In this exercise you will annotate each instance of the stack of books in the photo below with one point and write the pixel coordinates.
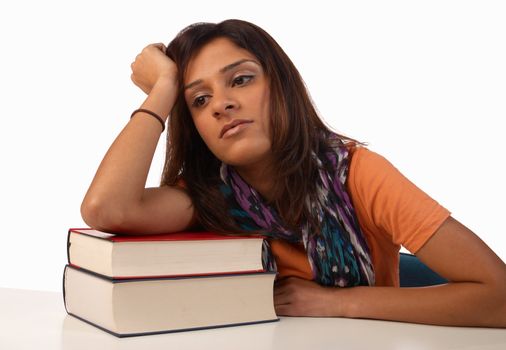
(148, 284)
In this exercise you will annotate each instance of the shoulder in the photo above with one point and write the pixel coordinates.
(361, 154)
(374, 178)
(393, 203)
(371, 172)
(367, 168)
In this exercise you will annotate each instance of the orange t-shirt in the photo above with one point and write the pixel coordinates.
(391, 212)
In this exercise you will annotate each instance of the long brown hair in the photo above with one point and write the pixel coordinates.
(295, 130)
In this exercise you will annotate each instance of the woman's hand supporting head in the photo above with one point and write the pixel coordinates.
(151, 65)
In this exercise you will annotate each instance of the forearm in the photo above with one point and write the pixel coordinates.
(452, 304)
(121, 177)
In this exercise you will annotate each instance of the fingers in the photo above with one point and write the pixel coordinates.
(159, 46)
(150, 65)
(280, 287)
(135, 60)
(283, 310)
(282, 303)
(284, 281)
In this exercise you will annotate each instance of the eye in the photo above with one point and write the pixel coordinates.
(240, 79)
(199, 101)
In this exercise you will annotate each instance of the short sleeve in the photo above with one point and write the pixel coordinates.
(393, 205)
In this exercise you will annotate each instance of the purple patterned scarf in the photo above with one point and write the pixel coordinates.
(338, 254)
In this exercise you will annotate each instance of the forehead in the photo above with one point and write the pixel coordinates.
(212, 57)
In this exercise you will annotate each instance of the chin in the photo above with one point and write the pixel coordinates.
(246, 153)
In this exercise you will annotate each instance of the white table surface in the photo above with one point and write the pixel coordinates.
(37, 320)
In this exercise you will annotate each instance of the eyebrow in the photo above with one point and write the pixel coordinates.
(222, 71)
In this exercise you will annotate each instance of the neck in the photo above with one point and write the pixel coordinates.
(260, 178)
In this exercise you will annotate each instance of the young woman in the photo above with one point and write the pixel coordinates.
(247, 153)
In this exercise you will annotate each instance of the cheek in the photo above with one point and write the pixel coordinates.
(265, 112)
(201, 129)
(205, 132)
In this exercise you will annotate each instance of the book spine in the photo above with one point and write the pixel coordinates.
(63, 288)
(68, 240)
(68, 245)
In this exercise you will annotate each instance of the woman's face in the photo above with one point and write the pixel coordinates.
(226, 84)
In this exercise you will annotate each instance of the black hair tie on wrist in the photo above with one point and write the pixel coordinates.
(150, 113)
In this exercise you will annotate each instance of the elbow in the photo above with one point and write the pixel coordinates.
(102, 216)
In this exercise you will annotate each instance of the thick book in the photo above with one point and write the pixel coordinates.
(163, 255)
(135, 307)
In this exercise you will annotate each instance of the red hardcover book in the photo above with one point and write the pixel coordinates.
(164, 255)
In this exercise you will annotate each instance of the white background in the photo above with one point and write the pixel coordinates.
(423, 82)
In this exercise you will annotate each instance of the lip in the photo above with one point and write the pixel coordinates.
(233, 124)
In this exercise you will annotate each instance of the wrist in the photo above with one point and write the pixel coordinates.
(342, 304)
(161, 99)
(166, 79)
(151, 113)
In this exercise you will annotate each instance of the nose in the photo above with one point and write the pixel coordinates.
(223, 106)
(218, 113)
